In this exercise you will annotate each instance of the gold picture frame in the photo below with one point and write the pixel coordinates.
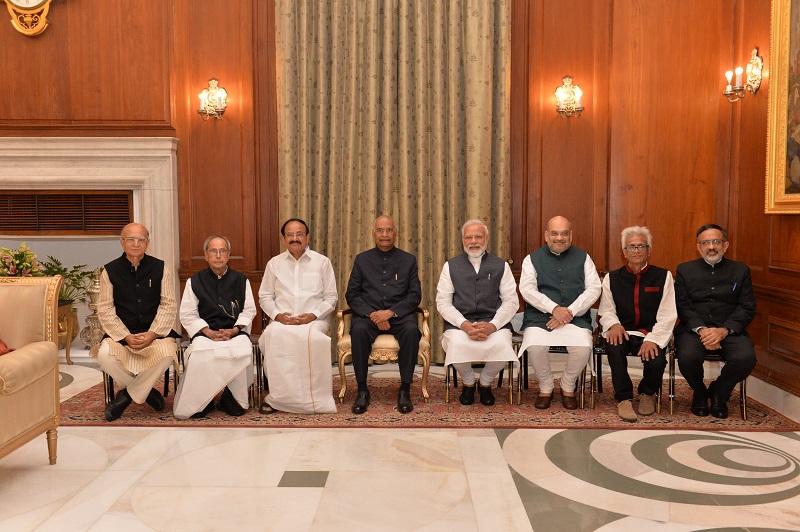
(783, 121)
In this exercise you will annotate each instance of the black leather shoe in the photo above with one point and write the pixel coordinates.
(700, 403)
(361, 404)
(487, 397)
(467, 395)
(719, 406)
(156, 400)
(404, 405)
(229, 405)
(204, 412)
(115, 408)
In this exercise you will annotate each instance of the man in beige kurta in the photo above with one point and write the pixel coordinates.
(137, 310)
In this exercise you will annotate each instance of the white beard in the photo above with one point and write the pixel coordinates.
(476, 253)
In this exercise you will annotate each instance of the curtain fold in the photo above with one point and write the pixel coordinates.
(394, 107)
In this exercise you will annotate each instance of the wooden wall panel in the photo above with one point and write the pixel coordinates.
(665, 102)
(95, 66)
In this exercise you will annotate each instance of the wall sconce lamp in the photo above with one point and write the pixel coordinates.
(736, 92)
(568, 98)
(213, 100)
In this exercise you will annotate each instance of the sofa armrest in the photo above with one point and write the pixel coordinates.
(21, 367)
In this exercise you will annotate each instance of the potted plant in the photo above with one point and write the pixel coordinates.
(76, 280)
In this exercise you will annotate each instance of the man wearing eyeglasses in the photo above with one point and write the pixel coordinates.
(298, 293)
(559, 283)
(136, 309)
(217, 310)
(715, 305)
(637, 315)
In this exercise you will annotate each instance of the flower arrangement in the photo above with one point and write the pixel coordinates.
(76, 279)
(19, 262)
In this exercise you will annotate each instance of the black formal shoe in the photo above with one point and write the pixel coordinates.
(719, 406)
(361, 404)
(700, 403)
(404, 405)
(229, 405)
(204, 412)
(467, 395)
(487, 397)
(115, 408)
(156, 400)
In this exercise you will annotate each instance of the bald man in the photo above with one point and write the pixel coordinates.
(137, 310)
(384, 292)
(559, 283)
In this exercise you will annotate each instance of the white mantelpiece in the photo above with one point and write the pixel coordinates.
(147, 166)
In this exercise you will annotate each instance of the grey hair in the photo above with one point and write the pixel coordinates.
(474, 222)
(212, 237)
(636, 230)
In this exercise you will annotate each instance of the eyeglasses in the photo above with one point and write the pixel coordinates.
(554, 234)
(384, 231)
(636, 247)
(716, 242)
(218, 252)
(133, 239)
(293, 235)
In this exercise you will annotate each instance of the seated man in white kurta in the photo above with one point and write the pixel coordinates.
(217, 310)
(559, 283)
(477, 297)
(298, 293)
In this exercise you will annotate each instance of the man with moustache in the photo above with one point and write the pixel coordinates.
(637, 314)
(136, 309)
(715, 303)
(559, 283)
(477, 297)
(217, 311)
(384, 292)
(298, 293)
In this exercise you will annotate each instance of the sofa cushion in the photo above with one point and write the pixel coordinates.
(25, 365)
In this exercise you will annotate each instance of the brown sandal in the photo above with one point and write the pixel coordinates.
(267, 409)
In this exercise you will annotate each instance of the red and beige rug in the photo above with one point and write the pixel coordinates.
(86, 409)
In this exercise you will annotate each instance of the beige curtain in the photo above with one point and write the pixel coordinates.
(398, 107)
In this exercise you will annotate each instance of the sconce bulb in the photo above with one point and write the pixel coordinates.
(729, 75)
(739, 71)
(578, 92)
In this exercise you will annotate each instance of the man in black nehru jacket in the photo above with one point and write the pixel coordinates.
(384, 292)
(715, 303)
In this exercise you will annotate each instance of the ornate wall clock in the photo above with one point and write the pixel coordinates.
(29, 17)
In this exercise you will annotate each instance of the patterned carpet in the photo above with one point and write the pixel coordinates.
(86, 409)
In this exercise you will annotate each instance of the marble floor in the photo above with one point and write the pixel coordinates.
(120, 479)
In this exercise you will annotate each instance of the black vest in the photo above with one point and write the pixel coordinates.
(220, 301)
(476, 295)
(638, 296)
(137, 291)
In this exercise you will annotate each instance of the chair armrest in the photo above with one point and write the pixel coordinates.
(340, 314)
(28, 363)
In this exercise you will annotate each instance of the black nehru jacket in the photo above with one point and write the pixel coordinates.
(476, 295)
(384, 280)
(220, 299)
(137, 291)
(637, 296)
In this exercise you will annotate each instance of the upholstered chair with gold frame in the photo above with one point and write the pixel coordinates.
(29, 397)
(384, 349)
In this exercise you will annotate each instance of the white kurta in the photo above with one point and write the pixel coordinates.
(210, 365)
(299, 368)
(297, 358)
(566, 335)
(456, 343)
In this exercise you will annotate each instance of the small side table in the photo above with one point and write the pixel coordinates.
(65, 313)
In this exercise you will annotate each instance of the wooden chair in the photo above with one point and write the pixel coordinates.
(384, 349)
(177, 366)
(673, 356)
(599, 350)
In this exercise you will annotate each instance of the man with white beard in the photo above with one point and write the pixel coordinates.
(477, 297)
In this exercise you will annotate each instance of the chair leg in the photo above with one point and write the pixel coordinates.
(166, 383)
(582, 386)
(598, 364)
(671, 383)
(743, 399)
(108, 387)
(447, 384)
(343, 390)
(426, 366)
(52, 442)
(510, 383)
(500, 378)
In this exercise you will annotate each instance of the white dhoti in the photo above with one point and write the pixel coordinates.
(537, 341)
(297, 359)
(494, 352)
(210, 366)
